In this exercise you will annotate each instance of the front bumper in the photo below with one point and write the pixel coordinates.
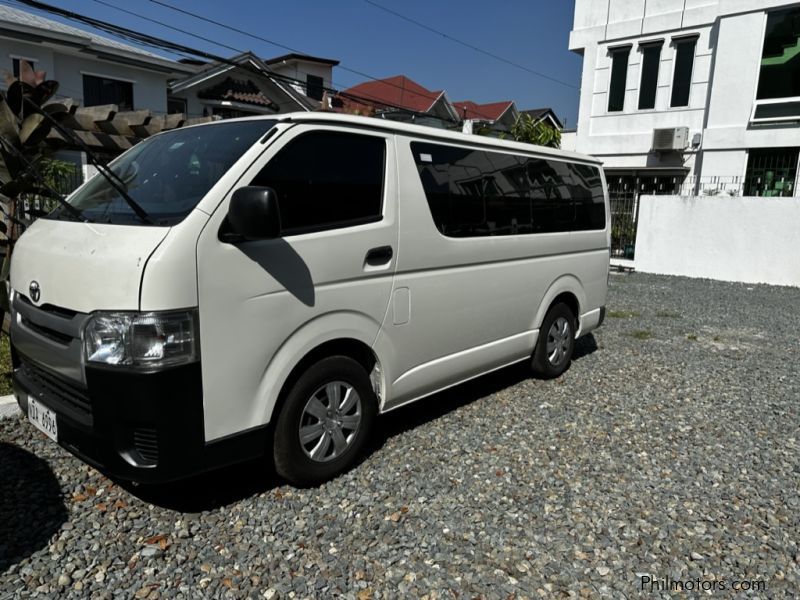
(144, 427)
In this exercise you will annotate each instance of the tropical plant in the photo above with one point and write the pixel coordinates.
(23, 155)
(535, 131)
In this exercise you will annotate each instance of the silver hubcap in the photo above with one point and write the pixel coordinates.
(558, 340)
(330, 421)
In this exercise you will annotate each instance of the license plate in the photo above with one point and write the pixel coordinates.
(43, 418)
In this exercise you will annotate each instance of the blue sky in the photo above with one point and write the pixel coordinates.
(533, 33)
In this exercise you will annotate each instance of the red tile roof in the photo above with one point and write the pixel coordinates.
(399, 91)
(489, 112)
(238, 90)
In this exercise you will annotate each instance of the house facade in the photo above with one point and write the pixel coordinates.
(691, 96)
(248, 85)
(91, 69)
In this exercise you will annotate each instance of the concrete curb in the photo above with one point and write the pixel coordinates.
(8, 407)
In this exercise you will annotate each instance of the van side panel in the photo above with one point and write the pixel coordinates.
(476, 303)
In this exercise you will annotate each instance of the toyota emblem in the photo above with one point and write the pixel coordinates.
(35, 291)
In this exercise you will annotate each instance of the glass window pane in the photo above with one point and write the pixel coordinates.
(168, 174)
(771, 172)
(651, 60)
(473, 193)
(314, 87)
(780, 62)
(684, 64)
(619, 79)
(326, 180)
(98, 91)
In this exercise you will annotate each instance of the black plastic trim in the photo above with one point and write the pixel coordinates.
(167, 405)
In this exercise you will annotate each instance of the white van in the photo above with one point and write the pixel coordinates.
(267, 286)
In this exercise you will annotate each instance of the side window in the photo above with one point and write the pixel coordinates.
(587, 193)
(473, 193)
(326, 180)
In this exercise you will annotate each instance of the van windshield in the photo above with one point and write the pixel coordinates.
(166, 175)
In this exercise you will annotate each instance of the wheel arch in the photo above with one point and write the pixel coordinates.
(336, 334)
(566, 289)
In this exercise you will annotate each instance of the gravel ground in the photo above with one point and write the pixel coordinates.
(669, 450)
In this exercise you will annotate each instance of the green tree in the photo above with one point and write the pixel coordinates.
(531, 131)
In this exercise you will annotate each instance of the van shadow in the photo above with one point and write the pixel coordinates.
(211, 490)
(584, 347)
(284, 264)
(31, 505)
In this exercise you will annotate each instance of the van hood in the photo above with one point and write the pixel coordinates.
(84, 266)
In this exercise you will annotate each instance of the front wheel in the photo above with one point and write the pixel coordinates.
(553, 353)
(325, 421)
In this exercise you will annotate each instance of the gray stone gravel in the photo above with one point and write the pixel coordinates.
(671, 449)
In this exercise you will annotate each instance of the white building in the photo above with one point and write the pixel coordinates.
(722, 76)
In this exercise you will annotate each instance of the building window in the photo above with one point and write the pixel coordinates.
(780, 62)
(176, 106)
(15, 65)
(771, 172)
(102, 90)
(619, 79)
(778, 95)
(684, 65)
(651, 60)
(327, 180)
(314, 87)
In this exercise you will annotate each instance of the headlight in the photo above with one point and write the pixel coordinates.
(147, 340)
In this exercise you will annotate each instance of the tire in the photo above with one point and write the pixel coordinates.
(314, 440)
(553, 353)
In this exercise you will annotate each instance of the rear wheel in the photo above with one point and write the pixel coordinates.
(553, 353)
(325, 421)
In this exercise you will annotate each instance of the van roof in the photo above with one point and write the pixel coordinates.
(413, 130)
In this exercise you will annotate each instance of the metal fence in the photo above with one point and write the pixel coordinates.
(625, 190)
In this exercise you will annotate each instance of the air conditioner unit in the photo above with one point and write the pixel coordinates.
(671, 139)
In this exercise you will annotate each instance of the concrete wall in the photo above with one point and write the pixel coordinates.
(299, 69)
(752, 240)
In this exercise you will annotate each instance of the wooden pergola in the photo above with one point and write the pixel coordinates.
(105, 129)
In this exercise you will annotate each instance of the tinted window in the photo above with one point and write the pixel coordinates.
(780, 59)
(651, 59)
(327, 179)
(684, 63)
(102, 90)
(619, 79)
(314, 87)
(474, 192)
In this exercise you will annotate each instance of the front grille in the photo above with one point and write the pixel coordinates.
(74, 398)
(145, 440)
(50, 334)
(49, 308)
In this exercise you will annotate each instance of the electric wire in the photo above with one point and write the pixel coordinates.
(467, 45)
(160, 43)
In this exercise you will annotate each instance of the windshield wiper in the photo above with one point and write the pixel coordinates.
(73, 210)
(112, 178)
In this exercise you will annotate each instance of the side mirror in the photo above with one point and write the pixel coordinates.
(253, 214)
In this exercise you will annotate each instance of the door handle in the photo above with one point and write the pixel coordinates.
(378, 256)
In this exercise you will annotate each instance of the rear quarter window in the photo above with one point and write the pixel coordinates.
(474, 192)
